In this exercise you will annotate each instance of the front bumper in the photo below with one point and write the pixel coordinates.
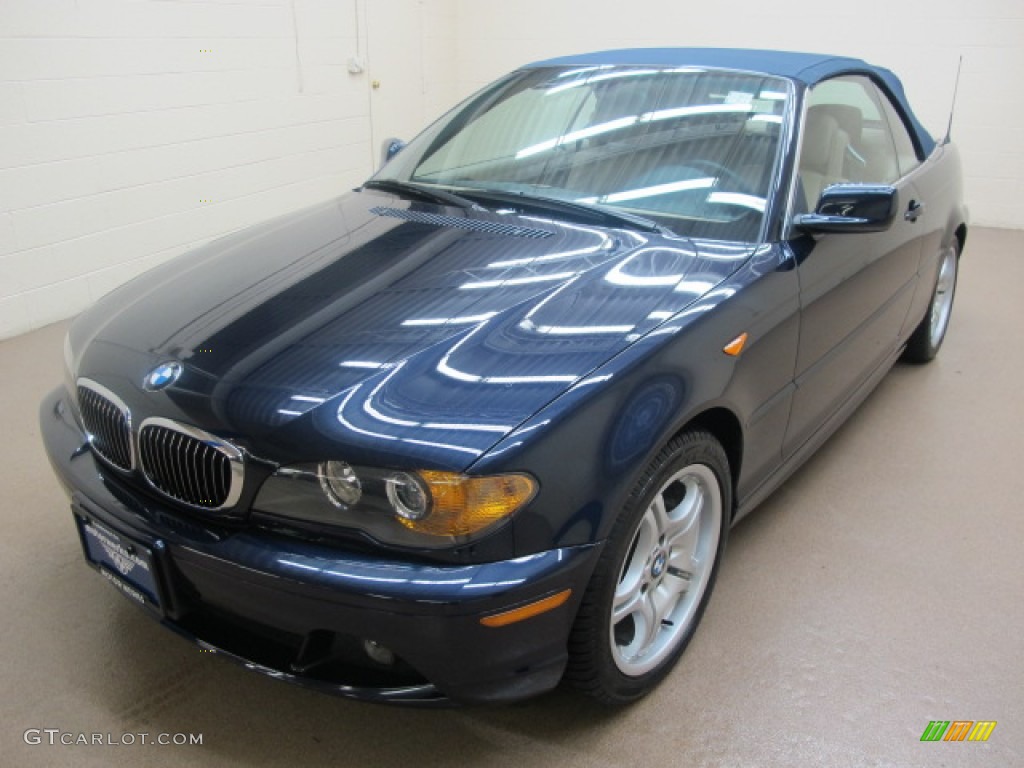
(303, 612)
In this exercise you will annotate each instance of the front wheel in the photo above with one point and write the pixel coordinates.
(655, 576)
(924, 343)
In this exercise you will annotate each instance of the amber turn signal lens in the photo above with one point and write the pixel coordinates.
(462, 506)
(527, 611)
(734, 347)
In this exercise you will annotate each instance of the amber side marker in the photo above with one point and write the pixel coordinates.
(734, 347)
(526, 611)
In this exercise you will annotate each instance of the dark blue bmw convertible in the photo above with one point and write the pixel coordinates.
(484, 422)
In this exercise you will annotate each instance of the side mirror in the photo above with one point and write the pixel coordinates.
(851, 208)
(389, 148)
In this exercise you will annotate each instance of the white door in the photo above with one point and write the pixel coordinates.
(395, 69)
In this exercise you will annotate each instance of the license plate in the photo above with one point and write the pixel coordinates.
(125, 564)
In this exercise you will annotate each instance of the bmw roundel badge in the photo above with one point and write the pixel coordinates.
(163, 376)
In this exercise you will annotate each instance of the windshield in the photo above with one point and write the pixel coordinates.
(692, 150)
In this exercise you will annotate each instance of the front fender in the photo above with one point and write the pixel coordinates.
(589, 446)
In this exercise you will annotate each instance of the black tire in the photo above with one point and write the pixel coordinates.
(620, 662)
(927, 338)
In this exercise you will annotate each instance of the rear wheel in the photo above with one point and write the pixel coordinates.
(924, 343)
(655, 576)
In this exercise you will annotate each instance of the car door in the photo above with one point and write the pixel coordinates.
(855, 288)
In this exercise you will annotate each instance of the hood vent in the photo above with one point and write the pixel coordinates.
(474, 225)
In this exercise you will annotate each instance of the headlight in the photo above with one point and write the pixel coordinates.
(417, 509)
(408, 497)
(339, 483)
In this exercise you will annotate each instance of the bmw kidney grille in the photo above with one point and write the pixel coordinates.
(189, 465)
(179, 461)
(108, 423)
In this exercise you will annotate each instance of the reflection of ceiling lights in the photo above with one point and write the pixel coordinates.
(628, 120)
(581, 70)
(310, 399)
(468, 427)
(476, 284)
(583, 133)
(529, 379)
(696, 109)
(363, 364)
(574, 330)
(643, 261)
(726, 198)
(696, 287)
(599, 78)
(653, 191)
(446, 369)
(543, 259)
(618, 276)
(735, 198)
(435, 321)
(349, 425)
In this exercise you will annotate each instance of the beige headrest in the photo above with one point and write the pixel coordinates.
(819, 134)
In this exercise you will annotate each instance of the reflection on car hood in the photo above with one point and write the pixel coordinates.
(390, 332)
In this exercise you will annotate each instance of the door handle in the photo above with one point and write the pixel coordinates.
(914, 210)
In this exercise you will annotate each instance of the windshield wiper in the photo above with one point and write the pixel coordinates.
(588, 211)
(429, 194)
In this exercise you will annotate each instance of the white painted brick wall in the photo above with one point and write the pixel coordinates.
(120, 119)
(132, 130)
(920, 42)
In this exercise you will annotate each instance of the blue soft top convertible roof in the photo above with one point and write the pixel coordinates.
(807, 68)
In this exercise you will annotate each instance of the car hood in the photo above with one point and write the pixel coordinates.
(387, 332)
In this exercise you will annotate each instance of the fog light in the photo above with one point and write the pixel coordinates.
(339, 483)
(379, 653)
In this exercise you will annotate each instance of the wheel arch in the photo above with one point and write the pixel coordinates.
(724, 425)
(960, 233)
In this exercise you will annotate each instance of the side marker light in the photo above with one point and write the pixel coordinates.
(527, 611)
(734, 347)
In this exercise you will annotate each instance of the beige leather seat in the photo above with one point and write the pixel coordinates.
(823, 153)
(850, 119)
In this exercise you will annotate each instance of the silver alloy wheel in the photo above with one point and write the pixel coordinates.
(942, 301)
(666, 571)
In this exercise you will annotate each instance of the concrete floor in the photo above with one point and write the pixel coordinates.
(879, 589)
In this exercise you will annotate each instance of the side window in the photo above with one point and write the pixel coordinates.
(846, 138)
(906, 155)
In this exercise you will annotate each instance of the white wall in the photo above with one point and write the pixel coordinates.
(920, 41)
(412, 58)
(131, 130)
